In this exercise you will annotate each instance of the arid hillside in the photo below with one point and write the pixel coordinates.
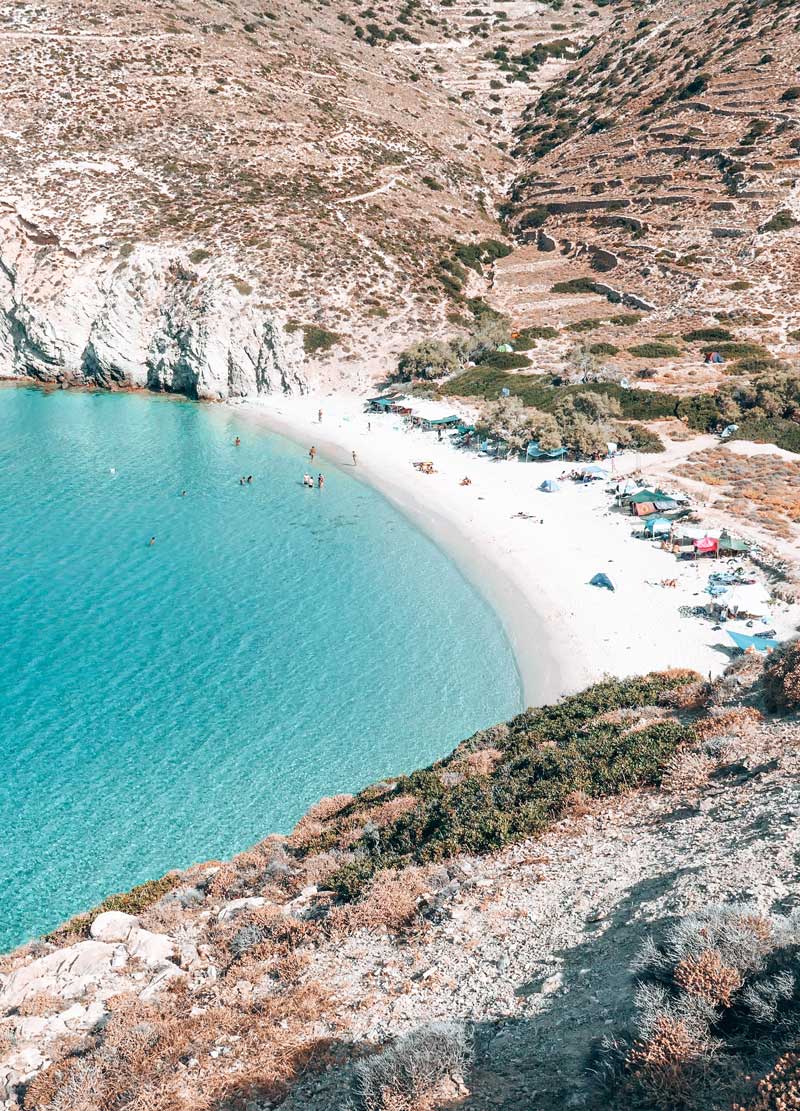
(662, 166)
(311, 161)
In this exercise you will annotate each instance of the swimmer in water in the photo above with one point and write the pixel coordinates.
(152, 541)
(237, 442)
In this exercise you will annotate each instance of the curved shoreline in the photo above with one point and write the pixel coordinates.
(543, 664)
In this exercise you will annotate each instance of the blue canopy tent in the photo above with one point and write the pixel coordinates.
(535, 452)
(594, 470)
(549, 486)
(601, 579)
(761, 644)
(657, 526)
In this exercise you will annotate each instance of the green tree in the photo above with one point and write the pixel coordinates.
(429, 358)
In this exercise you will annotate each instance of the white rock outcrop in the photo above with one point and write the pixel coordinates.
(113, 925)
(144, 318)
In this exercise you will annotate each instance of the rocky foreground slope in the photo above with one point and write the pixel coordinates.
(464, 936)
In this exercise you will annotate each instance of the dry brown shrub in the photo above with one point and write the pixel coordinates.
(318, 868)
(779, 1090)
(481, 762)
(707, 977)
(782, 678)
(138, 1060)
(659, 1067)
(578, 804)
(390, 901)
(41, 1003)
(689, 696)
(728, 722)
(312, 824)
(687, 771)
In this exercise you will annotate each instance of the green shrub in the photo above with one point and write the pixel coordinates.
(740, 284)
(504, 360)
(603, 349)
(135, 901)
(541, 392)
(575, 285)
(782, 432)
(701, 412)
(546, 756)
(533, 218)
(528, 336)
(654, 350)
(314, 338)
(792, 93)
(738, 350)
(783, 220)
(753, 365)
(795, 334)
(589, 324)
(701, 335)
(625, 319)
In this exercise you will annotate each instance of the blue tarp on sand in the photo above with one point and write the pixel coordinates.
(601, 579)
(761, 644)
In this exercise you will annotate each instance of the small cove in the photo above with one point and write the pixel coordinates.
(165, 704)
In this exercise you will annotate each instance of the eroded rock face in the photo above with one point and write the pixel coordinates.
(148, 320)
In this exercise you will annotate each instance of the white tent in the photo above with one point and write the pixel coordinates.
(747, 599)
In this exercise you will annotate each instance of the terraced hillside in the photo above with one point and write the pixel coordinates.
(663, 167)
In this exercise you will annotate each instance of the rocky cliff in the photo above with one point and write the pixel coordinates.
(140, 318)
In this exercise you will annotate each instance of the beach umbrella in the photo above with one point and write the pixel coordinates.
(549, 486)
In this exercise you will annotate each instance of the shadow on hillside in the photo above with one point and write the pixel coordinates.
(542, 1061)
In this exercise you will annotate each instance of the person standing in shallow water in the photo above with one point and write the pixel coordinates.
(320, 480)
(312, 453)
(237, 442)
(355, 461)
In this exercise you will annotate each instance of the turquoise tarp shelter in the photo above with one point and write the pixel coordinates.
(657, 526)
(601, 579)
(440, 422)
(533, 451)
(761, 644)
(549, 486)
(648, 496)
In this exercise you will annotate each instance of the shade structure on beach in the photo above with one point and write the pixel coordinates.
(647, 496)
(733, 544)
(533, 451)
(705, 545)
(747, 599)
(595, 470)
(601, 579)
(657, 526)
(760, 644)
(627, 487)
(549, 486)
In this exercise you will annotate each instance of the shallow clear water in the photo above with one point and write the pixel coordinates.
(167, 704)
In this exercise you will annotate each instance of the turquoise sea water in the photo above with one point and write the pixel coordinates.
(166, 704)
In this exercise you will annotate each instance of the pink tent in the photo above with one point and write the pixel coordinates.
(706, 545)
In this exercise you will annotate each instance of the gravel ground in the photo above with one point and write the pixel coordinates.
(534, 946)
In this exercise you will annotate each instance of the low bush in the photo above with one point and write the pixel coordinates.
(315, 339)
(701, 335)
(603, 349)
(780, 431)
(541, 392)
(528, 336)
(575, 285)
(654, 350)
(504, 360)
(783, 220)
(546, 756)
(717, 997)
(739, 350)
(589, 324)
(135, 901)
(422, 1069)
(782, 678)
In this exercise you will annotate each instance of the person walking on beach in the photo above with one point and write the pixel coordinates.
(320, 480)
(312, 453)
(355, 461)
(319, 416)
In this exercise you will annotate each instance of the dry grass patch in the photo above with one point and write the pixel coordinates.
(760, 488)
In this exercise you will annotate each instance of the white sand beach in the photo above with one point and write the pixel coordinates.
(564, 632)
